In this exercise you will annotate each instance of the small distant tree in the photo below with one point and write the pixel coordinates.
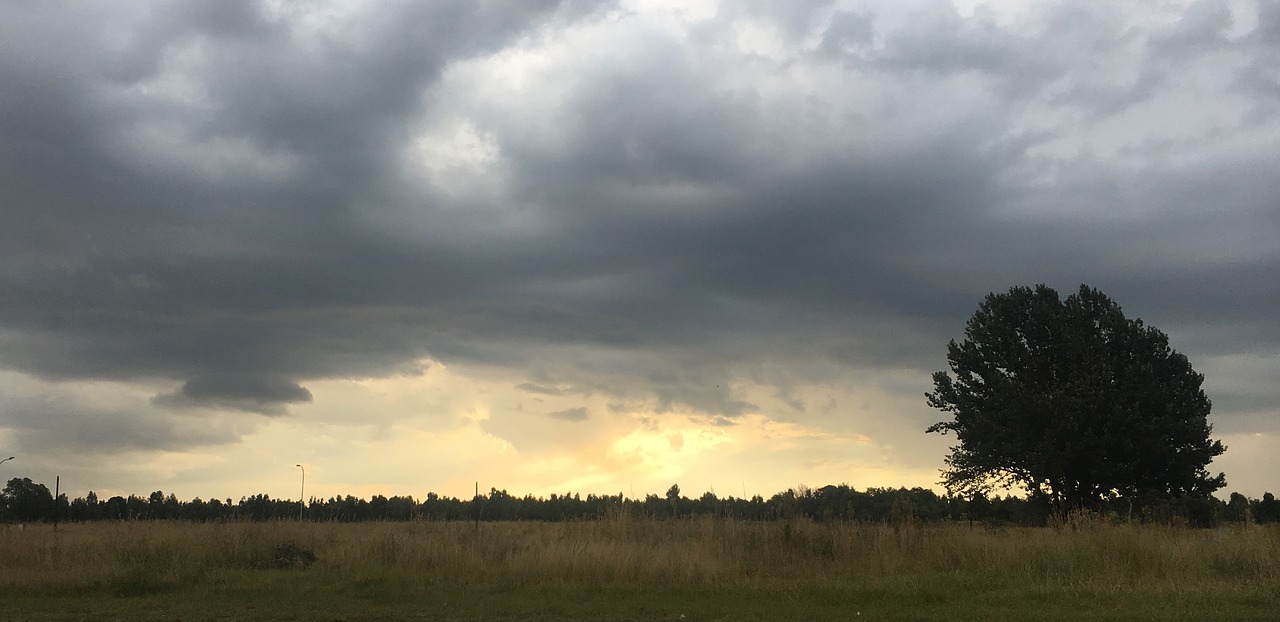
(1072, 401)
(116, 508)
(1238, 508)
(27, 501)
(1267, 510)
(155, 505)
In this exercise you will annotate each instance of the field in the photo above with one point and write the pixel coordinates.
(626, 569)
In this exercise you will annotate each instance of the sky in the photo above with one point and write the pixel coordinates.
(602, 247)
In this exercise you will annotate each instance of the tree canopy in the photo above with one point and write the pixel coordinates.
(27, 500)
(1073, 401)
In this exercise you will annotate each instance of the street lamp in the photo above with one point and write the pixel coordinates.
(6, 460)
(302, 495)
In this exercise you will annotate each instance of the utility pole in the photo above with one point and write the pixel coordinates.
(302, 494)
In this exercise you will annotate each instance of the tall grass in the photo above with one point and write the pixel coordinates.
(632, 569)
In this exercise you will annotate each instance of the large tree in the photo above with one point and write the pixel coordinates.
(1072, 401)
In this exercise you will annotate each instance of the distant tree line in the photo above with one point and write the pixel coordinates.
(25, 501)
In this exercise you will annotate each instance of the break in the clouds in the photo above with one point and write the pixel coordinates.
(629, 207)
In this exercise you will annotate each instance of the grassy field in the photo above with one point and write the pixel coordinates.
(636, 570)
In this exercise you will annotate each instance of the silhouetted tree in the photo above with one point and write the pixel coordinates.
(135, 507)
(1238, 508)
(27, 501)
(1267, 510)
(116, 508)
(1072, 401)
(155, 506)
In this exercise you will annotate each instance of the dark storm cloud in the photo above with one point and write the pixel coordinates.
(179, 181)
(262, 394)
(215, 195)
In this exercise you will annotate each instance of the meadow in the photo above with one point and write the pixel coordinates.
(633, 569)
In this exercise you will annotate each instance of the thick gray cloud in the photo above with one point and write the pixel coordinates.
(235, 199)
(182, 181)
(251, 392)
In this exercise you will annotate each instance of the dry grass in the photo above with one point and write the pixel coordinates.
(634, 569)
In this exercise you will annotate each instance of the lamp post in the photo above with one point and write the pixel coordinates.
(6, 460)
(302, 495)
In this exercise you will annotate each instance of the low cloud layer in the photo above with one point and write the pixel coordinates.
(262, 394)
